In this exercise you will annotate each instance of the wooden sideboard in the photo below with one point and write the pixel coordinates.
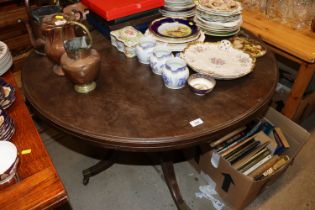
(298, 46)
(40, 186)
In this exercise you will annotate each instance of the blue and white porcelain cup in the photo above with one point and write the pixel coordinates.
(175, 73)
(144, 49)
(160, 55)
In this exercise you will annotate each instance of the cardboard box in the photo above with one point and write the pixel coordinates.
(239, 190)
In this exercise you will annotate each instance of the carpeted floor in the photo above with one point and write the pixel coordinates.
(129, 186)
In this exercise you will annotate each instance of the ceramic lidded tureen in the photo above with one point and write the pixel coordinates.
(126, 40)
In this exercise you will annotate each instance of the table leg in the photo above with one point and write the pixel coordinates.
(100, 166)
(170, 178)
(303, 78)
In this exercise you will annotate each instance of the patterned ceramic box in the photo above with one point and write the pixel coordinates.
(126, 40)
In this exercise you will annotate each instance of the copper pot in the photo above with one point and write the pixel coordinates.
(56, 30)
(81, 63)
(33, 25)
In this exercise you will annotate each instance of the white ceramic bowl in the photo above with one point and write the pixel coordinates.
(8, 161)
(201, 84)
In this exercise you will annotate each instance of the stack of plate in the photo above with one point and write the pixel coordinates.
(5, 58)
(178, 8)
(219, 19)
(176, 33)
(7, 96)
(7, 128)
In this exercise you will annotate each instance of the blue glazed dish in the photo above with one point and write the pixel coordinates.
(181, 29)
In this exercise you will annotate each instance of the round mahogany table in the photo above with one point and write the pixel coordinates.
(132, 110)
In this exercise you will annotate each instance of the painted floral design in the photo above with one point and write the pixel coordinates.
(130, 32)
(199, 49)
(217, 61)
(244, 61)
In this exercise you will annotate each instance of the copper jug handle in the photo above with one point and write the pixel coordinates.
(85, 29)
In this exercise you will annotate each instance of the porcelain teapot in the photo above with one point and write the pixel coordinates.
(80, 62)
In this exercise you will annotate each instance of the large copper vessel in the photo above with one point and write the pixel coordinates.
(55, 30)
(81, 63)
(33, 25)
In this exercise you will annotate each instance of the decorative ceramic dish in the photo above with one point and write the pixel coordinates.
(7, 128)
(174, 28)
(8, 93)
(182, 14)
(220, 60)
(5, 58)
(226, 6)
(248, 45)
(176, 47)
(126, 40)
(201, 84)
(8, 162)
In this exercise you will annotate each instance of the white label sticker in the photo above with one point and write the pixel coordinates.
(215, 159)
(60, 22)
(196, 122)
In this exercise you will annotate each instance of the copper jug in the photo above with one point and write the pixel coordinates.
(33, 25)
(81, 63)
(56, 30)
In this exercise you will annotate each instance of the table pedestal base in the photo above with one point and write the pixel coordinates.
(170, 179)
(167, 168)
(100, 166)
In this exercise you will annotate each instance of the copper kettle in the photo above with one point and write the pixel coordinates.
(33, 25)
(55, 30)
(81, 63)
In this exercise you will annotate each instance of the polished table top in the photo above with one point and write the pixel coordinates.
(131, 109)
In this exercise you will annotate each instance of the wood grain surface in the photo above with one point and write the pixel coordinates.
(40, 187)
(131, 109)
(297, 43)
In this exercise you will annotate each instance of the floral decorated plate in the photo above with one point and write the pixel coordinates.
(175, 28)
(219, 59)
(251, 46)
(220, 7)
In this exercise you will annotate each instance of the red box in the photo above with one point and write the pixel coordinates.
(114, 9)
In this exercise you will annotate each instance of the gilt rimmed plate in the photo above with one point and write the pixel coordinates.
(248, 45)
(175, 28)
(218, 12)
(176, 47)
(223, 8)
(171, 14)
(9, 94)
(219, 59)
